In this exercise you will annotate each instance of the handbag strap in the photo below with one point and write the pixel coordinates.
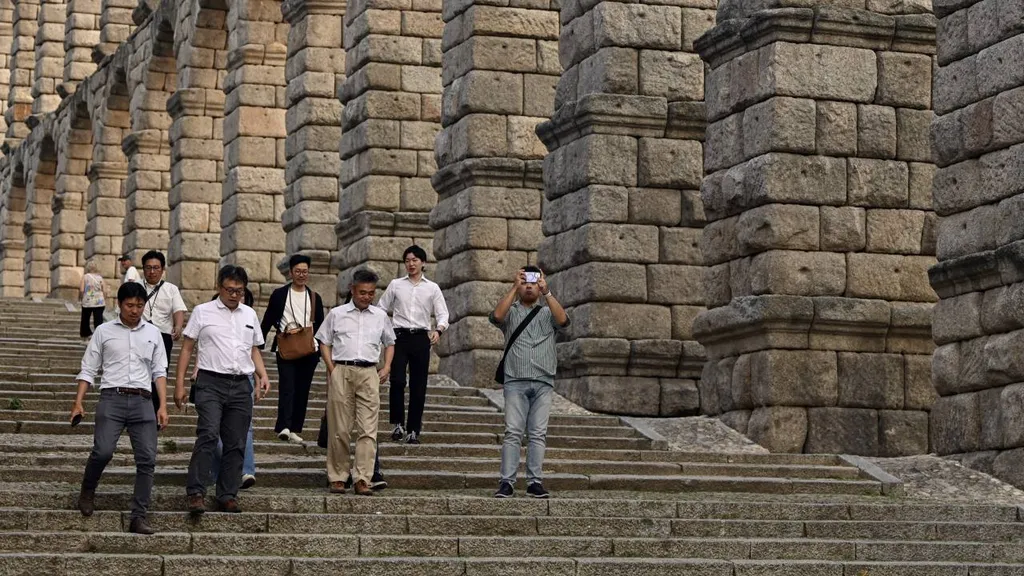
(519, 330)
(312, 305)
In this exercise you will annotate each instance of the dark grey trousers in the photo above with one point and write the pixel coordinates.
(114, 413)
(224, 408)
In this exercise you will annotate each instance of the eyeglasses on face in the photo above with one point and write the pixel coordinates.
(298, 272)
(152, 268)
(233, 291)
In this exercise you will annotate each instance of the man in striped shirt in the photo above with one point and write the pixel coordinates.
(530, 365)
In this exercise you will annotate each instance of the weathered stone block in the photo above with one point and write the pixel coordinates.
(680, 246)
(871, 380)
(593, 159)
(793, 378)
(599, 241)
(679, 397)
(918, 393)
(669, 163)
(955, 424)
(779, 125)
(609, 71)
(638, 25)
(902, 433)
(1002, 358)
(895, 231)
(904, 80)
(819, 71)
(843, 228)
(600, 282)
(779, 428)
(590, 204)
(957, 318)
(878, 183)
(889, 277)
(673, 75)
(876, 131)
(798, 273)
(613, 320)
(778, 227)
(836, 128)
(842, 431)
(614, 394)
(674, 284)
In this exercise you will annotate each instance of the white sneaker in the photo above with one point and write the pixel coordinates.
(295, 438)
(284, 434)
(248, 481)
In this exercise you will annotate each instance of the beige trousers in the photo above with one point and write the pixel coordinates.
(353, 401)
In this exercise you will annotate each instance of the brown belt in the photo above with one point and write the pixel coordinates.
(133, 392)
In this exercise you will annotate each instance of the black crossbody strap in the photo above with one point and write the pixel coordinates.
(519, 330)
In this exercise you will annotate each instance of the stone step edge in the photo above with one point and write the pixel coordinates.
(891, 485)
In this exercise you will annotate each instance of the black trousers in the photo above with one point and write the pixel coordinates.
(296, 377)
(412, 351)
(97, 318)
(224, 407)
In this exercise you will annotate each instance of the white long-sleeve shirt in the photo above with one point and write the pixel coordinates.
(129, 357)
(356, 335)
(412, 304)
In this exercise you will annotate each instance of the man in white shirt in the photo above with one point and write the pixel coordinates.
(164, 307)
(412, 300)
(350, 342)
(131, 356)
(229, 338)
(131, 274)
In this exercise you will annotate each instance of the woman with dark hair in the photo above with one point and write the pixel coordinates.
(296, 313)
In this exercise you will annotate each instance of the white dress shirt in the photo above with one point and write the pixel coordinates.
(132, 275)
(129, 357)
(355, 334)
(161, 306)
(412, 304)
(225, 337)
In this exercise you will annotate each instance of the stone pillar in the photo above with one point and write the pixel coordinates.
(67, 232)
(622, 212)
(22, 67)
(12, 236)
(195, 198)
(81, 34)
(316, 67)
(116, 24)
(392, 98)
(254, 159)
(6, 44)
(820, 227)
(49, 53)
(38, 219)
(499, 79)
(978, 193)
(104, 213)
(148, 219)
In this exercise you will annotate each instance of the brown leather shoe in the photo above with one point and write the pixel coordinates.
(196, 504)
(139, 525)
(337, 488)
(230, 506)
(363, 489)
(87, 502)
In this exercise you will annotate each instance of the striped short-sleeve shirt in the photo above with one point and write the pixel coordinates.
(532, 356)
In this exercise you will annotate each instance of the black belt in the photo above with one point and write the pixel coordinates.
(410, 331)
(356, 363)
(132, 392)
(232, 377)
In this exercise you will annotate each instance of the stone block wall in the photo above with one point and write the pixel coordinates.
(392, 113)
(622, 215)
(12, 236)
(49, 53)
(820, 226)
(316, 68)
(500, 74)
(978, 144)
(22, 65)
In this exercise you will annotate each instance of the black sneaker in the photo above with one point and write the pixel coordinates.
(413, 438)
(504, 490)
(377, 482)
(398, 433)
(536, 490)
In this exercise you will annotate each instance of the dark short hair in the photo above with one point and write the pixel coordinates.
(297, 259)
(415, 251)
(130, 290)
(364, 276)
(531, 268)
(124, 257)
(154, 255)
(232, 272)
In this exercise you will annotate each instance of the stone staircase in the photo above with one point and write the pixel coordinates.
(623, 504)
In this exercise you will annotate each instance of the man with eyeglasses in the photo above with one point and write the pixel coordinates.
(229, 339)
(164, 307)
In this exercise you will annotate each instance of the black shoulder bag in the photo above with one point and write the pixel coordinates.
(499, 373)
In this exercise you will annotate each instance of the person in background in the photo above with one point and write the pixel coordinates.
(294, 306)
(529, 375)
(350, 343)
(164, 307)
(228, 335)
(131, 274)
(93, 303)
(412, 300)
(129, 353)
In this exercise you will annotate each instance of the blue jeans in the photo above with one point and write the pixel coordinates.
(527, 406)
(249, 462)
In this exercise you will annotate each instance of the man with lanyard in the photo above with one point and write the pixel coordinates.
(412, 300)
(129, 353)
(164, 307)
(229, 339)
